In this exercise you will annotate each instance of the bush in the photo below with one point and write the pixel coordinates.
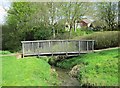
(81, 32)
(42, 33)
(11, 42)
(64, 35)
(4, 52)
(104, 39)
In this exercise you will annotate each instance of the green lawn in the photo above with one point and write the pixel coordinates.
(28, 71)
(98, 69)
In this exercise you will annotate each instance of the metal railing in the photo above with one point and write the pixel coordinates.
(44, 47)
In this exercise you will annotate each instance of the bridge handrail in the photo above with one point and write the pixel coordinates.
(53, 41)
(39, 46)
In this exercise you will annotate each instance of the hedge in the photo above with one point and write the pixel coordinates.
(104, 39)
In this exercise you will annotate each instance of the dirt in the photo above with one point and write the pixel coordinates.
(65, 78)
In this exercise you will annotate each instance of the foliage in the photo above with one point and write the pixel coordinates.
(64, 35)
(17, 24)
(28, 71)
(98, 69)
(4, 52)
(47, 20)
(81, 32)
(104, 39)
(10, 40)
(108, 13)
(42, 33)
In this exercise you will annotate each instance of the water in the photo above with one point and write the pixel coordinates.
(65, 78)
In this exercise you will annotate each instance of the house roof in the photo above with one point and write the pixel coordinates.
(87, 21)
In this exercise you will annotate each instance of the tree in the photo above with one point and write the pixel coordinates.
(108, 13)
(35, 21)
(17, 24)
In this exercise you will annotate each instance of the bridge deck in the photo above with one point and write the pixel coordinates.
(56, 47)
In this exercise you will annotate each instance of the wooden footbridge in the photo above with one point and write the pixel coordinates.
(56, 47)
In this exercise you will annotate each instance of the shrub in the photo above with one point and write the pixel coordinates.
(5, 52)
(64, 35)
(104, 39)
(11, 42)
(81, 32)
(42, 33)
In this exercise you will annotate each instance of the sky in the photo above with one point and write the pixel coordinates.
(5, 4)
(3, 13)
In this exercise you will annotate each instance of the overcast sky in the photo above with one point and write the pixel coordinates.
(5, 4)
(3, 13)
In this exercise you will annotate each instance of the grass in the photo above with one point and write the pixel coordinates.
(29, 71)
(4, 52)
(99, 69)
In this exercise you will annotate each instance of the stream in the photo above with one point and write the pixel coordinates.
(65, 78)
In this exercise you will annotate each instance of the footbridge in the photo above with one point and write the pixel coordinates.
(56, 47)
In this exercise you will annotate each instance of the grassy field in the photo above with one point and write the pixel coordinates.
(100, 69)
(29, 71)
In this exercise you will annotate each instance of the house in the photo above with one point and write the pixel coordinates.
(84, 23)
(79, 24)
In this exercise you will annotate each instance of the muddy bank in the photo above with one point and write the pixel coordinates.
(65, 78)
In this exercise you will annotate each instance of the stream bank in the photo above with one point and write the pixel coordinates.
(65, 78)
(63, 74)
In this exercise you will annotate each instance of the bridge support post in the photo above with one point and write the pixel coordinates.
(66, 47)
(38, 49)
(79, 47)
(92, 45)
(51, 42)
(87, 46)
(32, 47)
(23, 50)
(49, 50)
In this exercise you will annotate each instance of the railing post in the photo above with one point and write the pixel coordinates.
(38, 48)
(66, 47)
(87, 45)
(23, 49)
(32, 47)
(64, 44)
(52, 46)
(49, 46)
(61, 46)
(79, 46)
(93, 45)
